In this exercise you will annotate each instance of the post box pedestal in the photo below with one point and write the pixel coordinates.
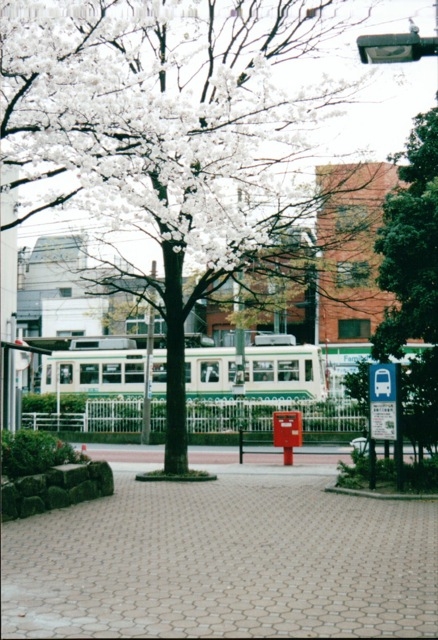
(288, 456)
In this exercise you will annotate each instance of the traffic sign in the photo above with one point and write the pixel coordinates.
(383, 387)
(383, 383)
(385, 415)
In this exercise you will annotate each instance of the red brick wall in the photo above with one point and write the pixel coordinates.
(362, 189)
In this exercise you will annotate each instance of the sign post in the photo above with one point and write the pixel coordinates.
(385, 414)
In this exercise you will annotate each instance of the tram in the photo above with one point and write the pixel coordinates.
(271, 371)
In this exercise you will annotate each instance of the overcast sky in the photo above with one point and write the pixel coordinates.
(372, 129)
(398, 92)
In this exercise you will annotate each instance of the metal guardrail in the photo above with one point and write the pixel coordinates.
(257, 444)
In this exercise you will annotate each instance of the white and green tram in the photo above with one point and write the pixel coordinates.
(271, 371)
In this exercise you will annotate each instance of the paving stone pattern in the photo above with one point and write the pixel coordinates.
(254, 556)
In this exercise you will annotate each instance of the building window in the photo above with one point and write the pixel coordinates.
(69, 334)
(353, 274)
(227, 338)
(65, 292)
(354, 328)
(160, 327)
(352, 218)
(136, 325)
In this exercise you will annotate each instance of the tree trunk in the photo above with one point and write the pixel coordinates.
(175, 456)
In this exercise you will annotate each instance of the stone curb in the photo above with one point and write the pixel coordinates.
(380, 496)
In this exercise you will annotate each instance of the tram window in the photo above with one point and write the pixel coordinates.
(232, 370)
(49, 374)
(89, 374)
(159, 372)
(210, 371)
(65, 373)
(112, 373)
(263, 371)
(308, 370)
(134, 372)
(188, 372)
(288, 370)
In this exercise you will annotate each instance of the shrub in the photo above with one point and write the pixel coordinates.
(418, 477)
(31, 452)
(423, 475)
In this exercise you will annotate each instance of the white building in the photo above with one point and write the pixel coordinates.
(52, 298)
(8, 272)
(8, 276)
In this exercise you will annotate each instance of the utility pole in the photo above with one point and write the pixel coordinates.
(146, 431)
(239, 383)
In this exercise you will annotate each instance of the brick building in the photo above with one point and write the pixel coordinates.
(351, 305)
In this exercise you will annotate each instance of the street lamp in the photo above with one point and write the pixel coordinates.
(399, 47)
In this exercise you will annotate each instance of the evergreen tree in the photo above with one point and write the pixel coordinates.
(409, 243)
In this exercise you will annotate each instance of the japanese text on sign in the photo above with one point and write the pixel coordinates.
(383, 420)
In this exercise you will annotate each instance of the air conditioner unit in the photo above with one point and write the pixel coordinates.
(270, 340)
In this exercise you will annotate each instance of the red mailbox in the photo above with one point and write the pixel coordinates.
(288, 432)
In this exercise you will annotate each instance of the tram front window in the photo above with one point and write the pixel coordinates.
(309, 370)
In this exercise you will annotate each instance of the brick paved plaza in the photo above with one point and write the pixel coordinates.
(255, 555)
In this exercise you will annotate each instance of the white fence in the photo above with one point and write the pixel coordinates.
(126, 415)
(54, 421)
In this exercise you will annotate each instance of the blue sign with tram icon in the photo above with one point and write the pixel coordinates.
(383, 383)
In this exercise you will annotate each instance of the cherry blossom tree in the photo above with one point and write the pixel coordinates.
(170, 117)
